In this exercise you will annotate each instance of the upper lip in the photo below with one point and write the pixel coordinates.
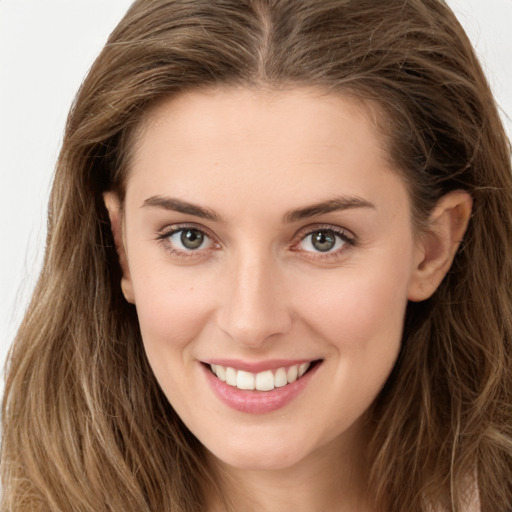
(257, 366)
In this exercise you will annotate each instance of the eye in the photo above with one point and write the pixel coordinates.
(324, 241)
(189, 239)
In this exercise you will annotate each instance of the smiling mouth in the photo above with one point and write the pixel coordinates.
(263, 381)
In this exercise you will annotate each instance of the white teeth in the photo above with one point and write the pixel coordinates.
(303, 368)
(220, 371)
(231, 376)
(292, 374)
(280, 378)
(262, 381)
(244, 380)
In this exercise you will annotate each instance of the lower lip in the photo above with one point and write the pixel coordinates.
(257, 402)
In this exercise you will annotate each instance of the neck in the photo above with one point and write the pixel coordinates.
(330, 480)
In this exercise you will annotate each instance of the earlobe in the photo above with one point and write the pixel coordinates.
(113, 205)
(437, 246)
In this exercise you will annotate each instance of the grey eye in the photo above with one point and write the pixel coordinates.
(322, 240)
(191, 238)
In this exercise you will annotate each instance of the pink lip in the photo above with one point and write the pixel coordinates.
(257, 402)
(257, 366)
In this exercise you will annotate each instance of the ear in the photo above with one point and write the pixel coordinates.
(437, 246)
(113, 205)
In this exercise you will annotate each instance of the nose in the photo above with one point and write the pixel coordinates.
(254, 308)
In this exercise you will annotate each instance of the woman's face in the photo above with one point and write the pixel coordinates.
(265, 235)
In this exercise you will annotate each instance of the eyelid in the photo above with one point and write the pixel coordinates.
(169, 230)
(348, 237)
(345, 233)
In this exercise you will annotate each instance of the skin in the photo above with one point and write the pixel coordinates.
(258, 289)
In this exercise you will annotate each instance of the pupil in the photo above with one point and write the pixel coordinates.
(323, 241)
(191, 238)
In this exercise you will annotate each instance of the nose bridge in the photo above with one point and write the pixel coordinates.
(255, 305)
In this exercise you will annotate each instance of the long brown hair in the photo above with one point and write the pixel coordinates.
(85, 425)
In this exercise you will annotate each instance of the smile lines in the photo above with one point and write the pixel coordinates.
(262, 381)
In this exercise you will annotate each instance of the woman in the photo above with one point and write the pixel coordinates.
(277, 274)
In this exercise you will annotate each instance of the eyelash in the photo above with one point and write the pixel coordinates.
(346, 237)
(164, 238)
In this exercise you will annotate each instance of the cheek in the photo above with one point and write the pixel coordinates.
(361, 320)
(359, 307)
(172, 308)
(172, 314)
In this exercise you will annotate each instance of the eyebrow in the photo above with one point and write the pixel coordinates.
(332, 205)
(178, 205)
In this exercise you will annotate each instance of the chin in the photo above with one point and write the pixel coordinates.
(260, 454)
(258, 462)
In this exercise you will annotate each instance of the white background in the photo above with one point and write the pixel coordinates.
(46, 48)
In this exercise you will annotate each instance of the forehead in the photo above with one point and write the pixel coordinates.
(233, 140)
(195, 112)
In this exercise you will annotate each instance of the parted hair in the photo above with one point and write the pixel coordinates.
(86, 427)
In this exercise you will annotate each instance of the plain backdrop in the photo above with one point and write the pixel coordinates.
(46, 48)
